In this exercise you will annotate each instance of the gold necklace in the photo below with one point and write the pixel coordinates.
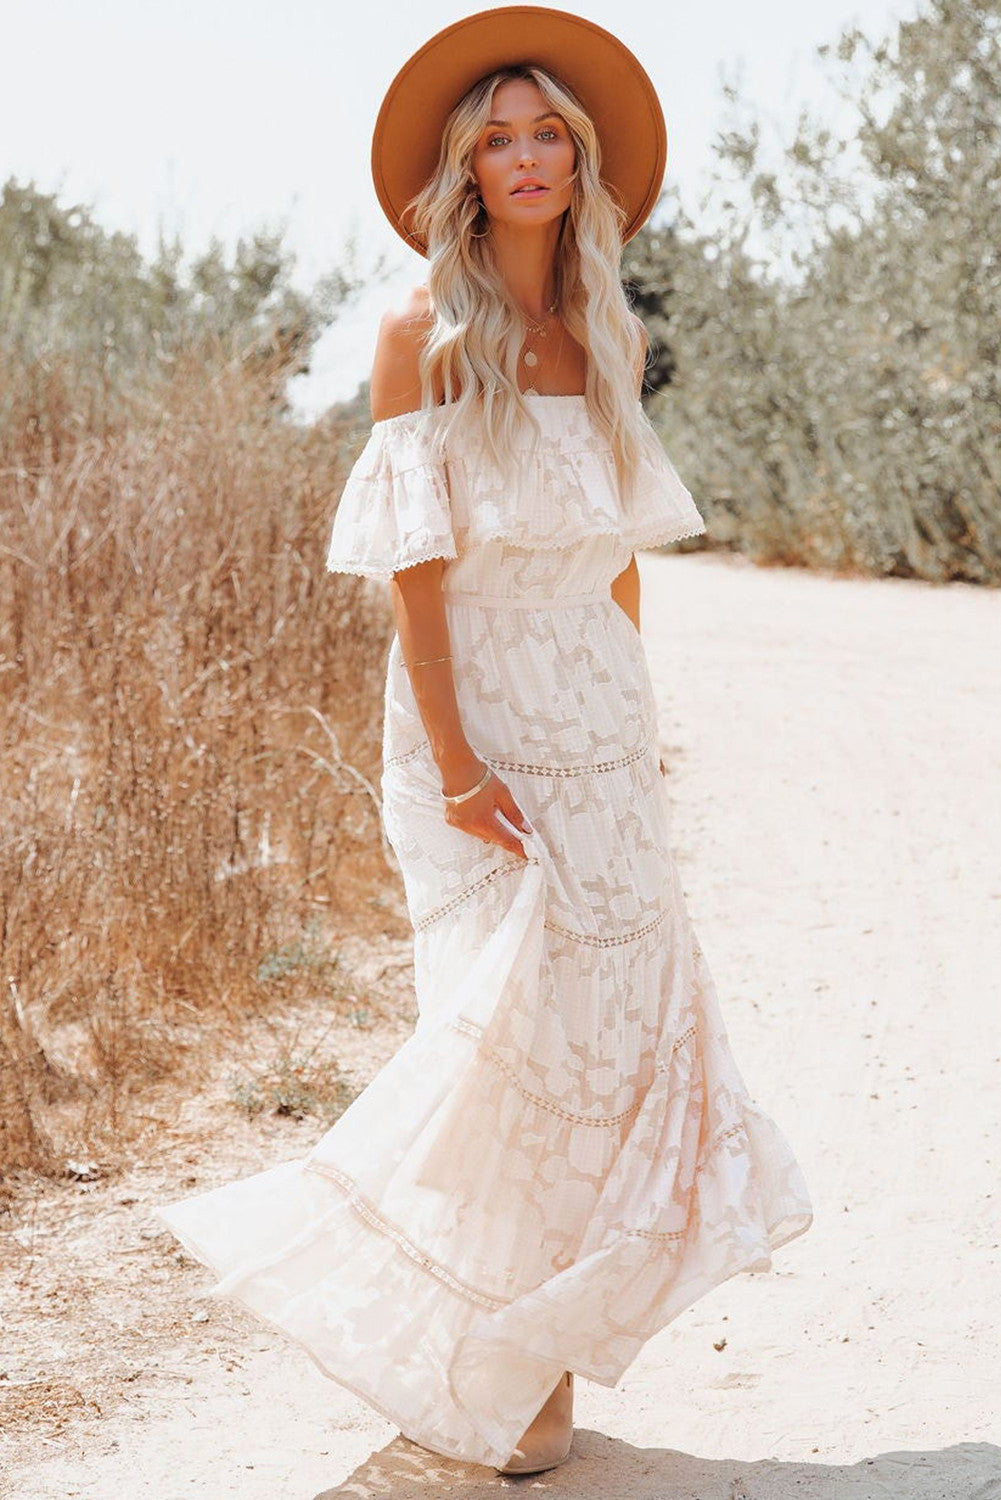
(536, 330)
(530, 390)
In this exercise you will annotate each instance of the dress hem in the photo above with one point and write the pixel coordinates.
(772, 1236)
(637, 539)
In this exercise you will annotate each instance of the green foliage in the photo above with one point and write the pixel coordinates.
(835, 347)
(296, 1085)
(305, 955)
(826, 339)
(70, 291)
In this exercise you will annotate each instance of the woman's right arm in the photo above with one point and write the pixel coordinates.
(419, 610)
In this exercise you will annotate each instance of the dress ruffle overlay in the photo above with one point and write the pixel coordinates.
(563, 1156)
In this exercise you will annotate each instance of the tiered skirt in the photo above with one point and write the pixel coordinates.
(563, 1156)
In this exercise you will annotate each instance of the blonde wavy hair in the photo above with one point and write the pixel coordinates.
(478, 331)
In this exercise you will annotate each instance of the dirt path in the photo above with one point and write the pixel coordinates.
(835, 772)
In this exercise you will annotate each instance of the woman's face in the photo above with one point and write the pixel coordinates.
(519, 144)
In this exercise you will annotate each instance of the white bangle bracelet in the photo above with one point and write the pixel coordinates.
(462, 796)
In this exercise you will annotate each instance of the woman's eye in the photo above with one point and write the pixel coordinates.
(546, 129)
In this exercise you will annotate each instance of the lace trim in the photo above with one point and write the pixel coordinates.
(371, 570)
(541, 1101)
(633, 538)
(663, 1063)
(421, 924)
(441, 911)
(405, 755)
(536, 768)
(530, 768)
(593, 941)
(736, 1128)
(371, 1216)
(655, 537)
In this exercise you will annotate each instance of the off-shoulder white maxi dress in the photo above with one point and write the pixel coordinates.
(563, 1156)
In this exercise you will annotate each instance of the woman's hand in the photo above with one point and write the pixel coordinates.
(478, 815)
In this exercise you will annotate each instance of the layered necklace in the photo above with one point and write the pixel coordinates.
(536, 330)
(540, 331)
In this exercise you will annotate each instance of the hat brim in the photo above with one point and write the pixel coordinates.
(602, 72)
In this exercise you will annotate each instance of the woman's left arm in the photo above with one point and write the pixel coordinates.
(626, 590)
(626, 585)
(626, 593)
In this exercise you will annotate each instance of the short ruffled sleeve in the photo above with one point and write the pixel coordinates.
(394, 510)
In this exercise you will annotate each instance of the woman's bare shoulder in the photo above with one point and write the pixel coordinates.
(395, 386)
(413, 309)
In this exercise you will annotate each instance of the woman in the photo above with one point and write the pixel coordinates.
(564, 1155)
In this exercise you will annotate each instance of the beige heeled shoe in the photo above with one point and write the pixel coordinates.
(547, 1440)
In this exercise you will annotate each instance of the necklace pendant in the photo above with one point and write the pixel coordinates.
(531, 358)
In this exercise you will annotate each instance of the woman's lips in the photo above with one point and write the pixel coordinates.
(535, 192)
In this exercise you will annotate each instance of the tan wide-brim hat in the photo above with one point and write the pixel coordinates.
(602, 72)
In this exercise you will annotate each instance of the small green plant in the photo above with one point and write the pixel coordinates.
(306, 954)
(295, 1085)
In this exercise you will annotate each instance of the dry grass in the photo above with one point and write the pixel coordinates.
(189, 720)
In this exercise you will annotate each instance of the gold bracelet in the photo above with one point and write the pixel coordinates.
(427, 660)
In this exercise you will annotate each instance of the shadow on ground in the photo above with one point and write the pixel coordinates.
(603, 1468)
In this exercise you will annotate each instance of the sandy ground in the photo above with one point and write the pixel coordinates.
(834, 749)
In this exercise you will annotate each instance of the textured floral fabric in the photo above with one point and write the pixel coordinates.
(564, 1155)
(402, 504)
